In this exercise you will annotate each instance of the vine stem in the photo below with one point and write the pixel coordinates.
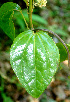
(23, 18)
(46, 30)
(30, 14)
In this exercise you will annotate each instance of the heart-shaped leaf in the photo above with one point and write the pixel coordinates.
(6, 13)
(34, 58)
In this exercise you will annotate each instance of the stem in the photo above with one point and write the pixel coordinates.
(30, 14)
(23, 18)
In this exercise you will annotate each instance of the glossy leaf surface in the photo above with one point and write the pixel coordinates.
(6, 13)
(34, 58)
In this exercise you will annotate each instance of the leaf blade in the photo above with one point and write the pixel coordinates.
(6, 13)
(62, 51)
(31, 61)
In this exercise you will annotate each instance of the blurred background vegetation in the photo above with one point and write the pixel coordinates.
(56, 17)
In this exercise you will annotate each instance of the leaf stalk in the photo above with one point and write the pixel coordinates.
(30, 14)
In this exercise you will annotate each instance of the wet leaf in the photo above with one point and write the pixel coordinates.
(6, 13)
(34, 58)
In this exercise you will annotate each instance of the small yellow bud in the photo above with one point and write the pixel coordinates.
(41, 3)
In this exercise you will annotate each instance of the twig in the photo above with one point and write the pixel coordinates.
(30, 14)
(23, 18)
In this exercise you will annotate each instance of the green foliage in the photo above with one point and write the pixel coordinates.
(34, 58)
(36, 19)
(6, 98)
(55, 29)
(6, 13)
(57, 12)
(62, 51)
(39, 19)
(68, 45)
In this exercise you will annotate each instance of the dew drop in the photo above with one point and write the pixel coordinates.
(52, 64)
(32, 90)
(48, 52)
(50, 59)
(42, 55)
(52, 70)
(31, 82)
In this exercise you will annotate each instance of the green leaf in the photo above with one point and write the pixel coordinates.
(58, 31)
(6, 98)
(68, 45)
(6, 13)
(19, 20)
(39, 19)
(62, 51)
(35, 18)
(34, 58)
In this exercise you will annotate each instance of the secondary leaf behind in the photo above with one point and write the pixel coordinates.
(6, 13)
